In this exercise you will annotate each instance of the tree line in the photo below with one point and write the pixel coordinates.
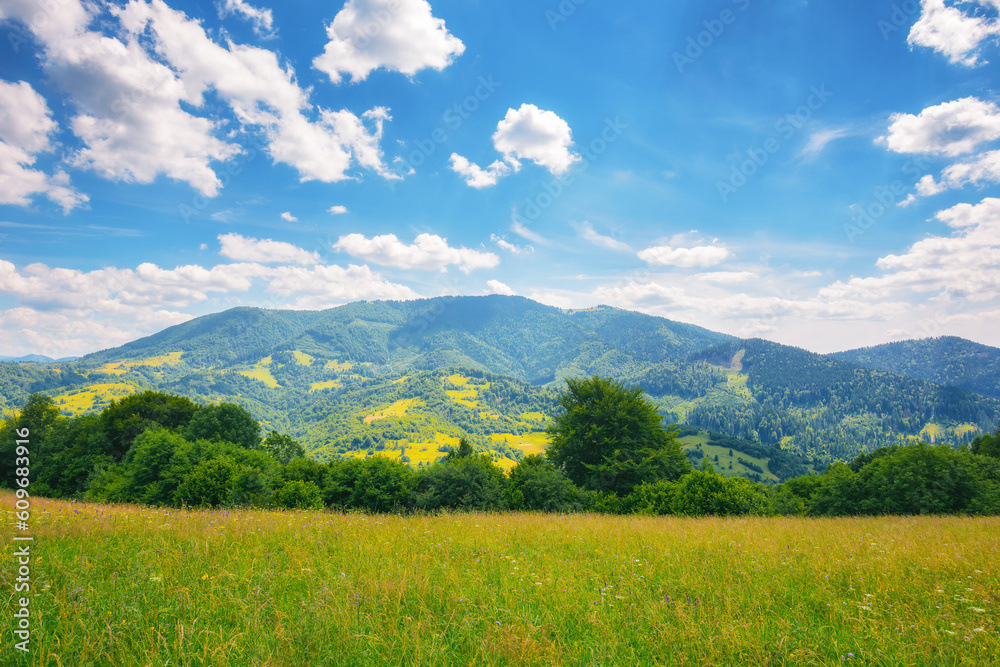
(609, 452)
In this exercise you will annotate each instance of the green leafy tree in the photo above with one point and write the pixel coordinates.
(39, 416)
(987, 445)
(282, 447)
(209, 484)
(304, 470)
(535, 484)
(375, 484)
(918, 479)
(225, 422)
(147, 464)
(703, 492)
(610, 438)
(838, 493)
(299, 495)
(468, 483)
(127, 417)
(72, 449)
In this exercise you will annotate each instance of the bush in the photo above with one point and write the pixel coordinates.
(468, 483)
(299, 495)
(535, 484)
(225, 422)
(375, 484)
(703, 492)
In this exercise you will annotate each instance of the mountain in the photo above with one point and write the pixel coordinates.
(39, 358)
(409, 378)
(946, 360)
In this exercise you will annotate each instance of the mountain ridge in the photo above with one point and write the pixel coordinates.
(424, 371)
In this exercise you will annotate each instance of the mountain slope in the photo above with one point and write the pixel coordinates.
(945, 360)
(349, 379)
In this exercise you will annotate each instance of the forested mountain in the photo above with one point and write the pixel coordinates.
(944, 360)
(408, 379)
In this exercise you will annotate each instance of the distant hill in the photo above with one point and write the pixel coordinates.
(36, 358)
(409, 378)
(946, 360)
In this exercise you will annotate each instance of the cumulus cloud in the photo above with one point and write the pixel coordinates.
(534, 134)
(950, 129)
(725, 277)
(497, 287)
(66, 311)
(26, 127)
(139, 97)
(477, 177)
(262, 93)
(588, 233)
(952, 32)
(262, 20)
(965, 264)
(337, 209)
(329, 286)
(242, 249)
(428, 251)
(698, 256)
(288, 217)
(528, 133)
(396, 35)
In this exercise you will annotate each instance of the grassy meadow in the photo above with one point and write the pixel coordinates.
(126, 585)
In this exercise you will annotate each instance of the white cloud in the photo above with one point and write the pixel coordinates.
(725, 277)
(65, 311)
(819, 140)
(497, 287)
(951, 128)
(526, 233)
(477, 177)
(139, 98)
(428, 251)
(26, 127)
(927, 187)
(965, 264)
(242, 249)
(262, 20)
(588, 233)
(288, 217)
(952, 32)
(262, 93)
(510, 247)
(699, 256)
(322, 287)
(396, 35)
(530, 133)
(983, 168)
(337, 209)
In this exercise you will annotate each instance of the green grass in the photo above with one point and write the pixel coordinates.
(133, 586)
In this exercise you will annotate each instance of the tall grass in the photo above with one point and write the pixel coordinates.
(125, 585)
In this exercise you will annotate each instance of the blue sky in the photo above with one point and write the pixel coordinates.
(822, 174)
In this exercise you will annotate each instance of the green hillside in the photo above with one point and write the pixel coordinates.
(408, 379)
(945, 360)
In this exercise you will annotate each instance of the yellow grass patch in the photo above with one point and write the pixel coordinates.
(397, 409)
(261, 375)
(303, 358)
(529, 443)
(326, 384)
(79, 401)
